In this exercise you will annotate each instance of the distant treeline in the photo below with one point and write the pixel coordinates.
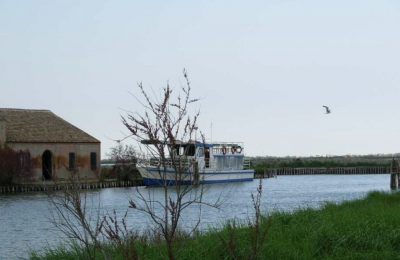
(298, 163)
(110, 161)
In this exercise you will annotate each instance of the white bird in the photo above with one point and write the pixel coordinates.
(328, 111)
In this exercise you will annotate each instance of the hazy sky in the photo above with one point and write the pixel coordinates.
(263, 68)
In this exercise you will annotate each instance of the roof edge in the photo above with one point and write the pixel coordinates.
(24, 109)
(52, 142)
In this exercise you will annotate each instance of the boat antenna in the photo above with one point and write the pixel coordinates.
(211, 131)
(195, 133)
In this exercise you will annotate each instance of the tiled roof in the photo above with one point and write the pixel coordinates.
(40, 126)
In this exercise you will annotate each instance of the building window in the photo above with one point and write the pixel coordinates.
(93, 161)
(23, 161)
(71, 161)
(28, 162)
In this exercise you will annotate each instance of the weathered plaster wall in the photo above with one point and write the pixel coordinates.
(2, 131)
(60, 157)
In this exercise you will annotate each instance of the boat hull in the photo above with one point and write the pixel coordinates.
(157, 177)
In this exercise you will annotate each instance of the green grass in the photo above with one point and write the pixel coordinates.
(362, 229)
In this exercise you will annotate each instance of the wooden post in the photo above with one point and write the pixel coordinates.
(196, 173)
(393, 171)
(397, 173)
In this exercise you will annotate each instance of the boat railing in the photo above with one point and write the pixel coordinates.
(170, 163)
(226, 147)
(227, 163)
(209, 163)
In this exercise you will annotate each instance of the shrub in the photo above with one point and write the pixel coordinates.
(14, 166)
(125, 163)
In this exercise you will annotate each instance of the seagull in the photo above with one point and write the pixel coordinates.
(328, 111)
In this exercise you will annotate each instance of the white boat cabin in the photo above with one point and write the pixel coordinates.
(217, 156)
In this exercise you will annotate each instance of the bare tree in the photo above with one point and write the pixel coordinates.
(166, 122)
(70, 214)
(82, 219)
(131, 244)
(125, 159)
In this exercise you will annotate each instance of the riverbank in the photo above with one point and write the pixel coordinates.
(61, 185)
(366, 228)
(138, 181)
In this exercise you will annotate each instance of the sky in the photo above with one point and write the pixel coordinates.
(263, 69)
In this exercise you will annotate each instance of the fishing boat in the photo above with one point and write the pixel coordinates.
(196, 162)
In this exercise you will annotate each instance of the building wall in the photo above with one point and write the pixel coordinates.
(60, 158)
(2, 131)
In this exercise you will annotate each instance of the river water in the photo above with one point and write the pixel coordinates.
(24, 222)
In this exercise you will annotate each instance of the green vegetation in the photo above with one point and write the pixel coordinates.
(362, 229)
(298, 163)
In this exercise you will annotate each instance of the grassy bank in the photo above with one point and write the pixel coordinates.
(361, 229)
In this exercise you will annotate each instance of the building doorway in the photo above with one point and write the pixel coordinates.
(47, 165)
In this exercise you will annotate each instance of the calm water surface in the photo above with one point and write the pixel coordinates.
(24, 221)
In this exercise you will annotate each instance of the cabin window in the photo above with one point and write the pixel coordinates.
(230, 163)
(207, 157)
(93, 161)
(227, 162)
(239, 162)
(233, 163)
(71, 161)
(191, 150)
(200, 152)
(179, 150)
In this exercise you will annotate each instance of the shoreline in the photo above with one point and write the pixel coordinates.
(365, 228)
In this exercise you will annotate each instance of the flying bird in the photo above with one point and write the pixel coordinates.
(328, 111)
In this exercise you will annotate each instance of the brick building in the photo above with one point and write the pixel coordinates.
(54, 147)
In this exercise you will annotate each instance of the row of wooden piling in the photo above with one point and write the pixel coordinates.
(273, 172)
(394, 174)
(266, 173)
(55, 187)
